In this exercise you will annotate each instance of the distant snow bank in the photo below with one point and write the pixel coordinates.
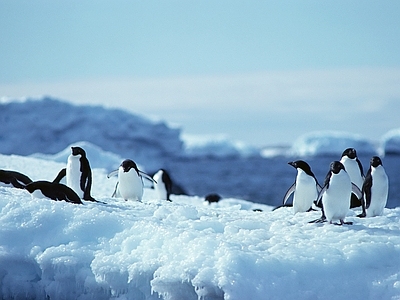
(49, 125)
(330, 142)
(215, 145)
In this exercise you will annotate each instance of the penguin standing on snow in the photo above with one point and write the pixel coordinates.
(129, 185)
(375, 189)
(14, 179)
(336, 193)
(53, 190)
(164, 184)
(78, 174)
(305, 187)
(355, 170)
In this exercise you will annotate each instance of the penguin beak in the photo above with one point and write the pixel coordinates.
(292, 164)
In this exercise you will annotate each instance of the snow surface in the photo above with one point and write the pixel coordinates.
(185, 249)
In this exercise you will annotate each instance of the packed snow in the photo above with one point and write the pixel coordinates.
(185, 249)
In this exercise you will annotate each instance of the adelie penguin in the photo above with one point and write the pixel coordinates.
(129, 185)
(163, 186)
(375, 189)
(355, 170)
(336, 193)
(52, 190)
(78, 174)
(14, 179)
(305, 188)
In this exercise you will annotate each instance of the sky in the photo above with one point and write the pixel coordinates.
(262, 72)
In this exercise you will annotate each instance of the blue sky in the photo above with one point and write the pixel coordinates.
(262, 72)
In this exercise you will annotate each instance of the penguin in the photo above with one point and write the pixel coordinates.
(14, 179)
(53, 190)
(355, 170)
(212, 198)
(163, 185)
(78, 174)
(130, 184)
(336, 193)
(375, 189)
(305, 187)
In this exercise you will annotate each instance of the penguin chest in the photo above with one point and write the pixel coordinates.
(73, 174)
(353, 170)
(130, 185)
(379, 192)
(305, 193)
(336, 199)
(160, 186)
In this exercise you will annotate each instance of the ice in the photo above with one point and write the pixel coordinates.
(330, 142)
(185, 249)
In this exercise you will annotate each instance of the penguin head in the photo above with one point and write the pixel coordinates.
(129, 164)
(350, 153)
(336, 167)
(375, 161)
(78, 151)
(301, 164)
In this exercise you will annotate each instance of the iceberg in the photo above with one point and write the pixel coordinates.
(215, 146)
(330, 143)
(390, 143)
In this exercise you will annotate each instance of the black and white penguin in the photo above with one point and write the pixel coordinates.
(336, 193)
(355, 170)
(163, 186)
(375, 189)
(78, 174)
(14, 179)
(52, 190)
(129, 185)
(305, 187)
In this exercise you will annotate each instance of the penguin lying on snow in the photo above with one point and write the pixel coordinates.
(375, 189)
(78, 174)
(336, 194)
(305, 188)
(163, 185)
(53, 190)
(129, 185)
(13, 178)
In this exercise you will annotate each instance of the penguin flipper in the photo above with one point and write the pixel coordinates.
(288, 193)
(355, 190)
(114, 194)
(147, 176)
(113, 173)
(60, 175)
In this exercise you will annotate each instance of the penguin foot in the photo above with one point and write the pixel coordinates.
(319, 220)
(362, 215)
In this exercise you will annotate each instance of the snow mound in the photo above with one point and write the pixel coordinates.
(98, 157)
(185, 249)
(48, 125)
(330, 142)
(391, 142)
(215, 146)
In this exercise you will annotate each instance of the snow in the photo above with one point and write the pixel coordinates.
(329, 142)
(185, 249)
